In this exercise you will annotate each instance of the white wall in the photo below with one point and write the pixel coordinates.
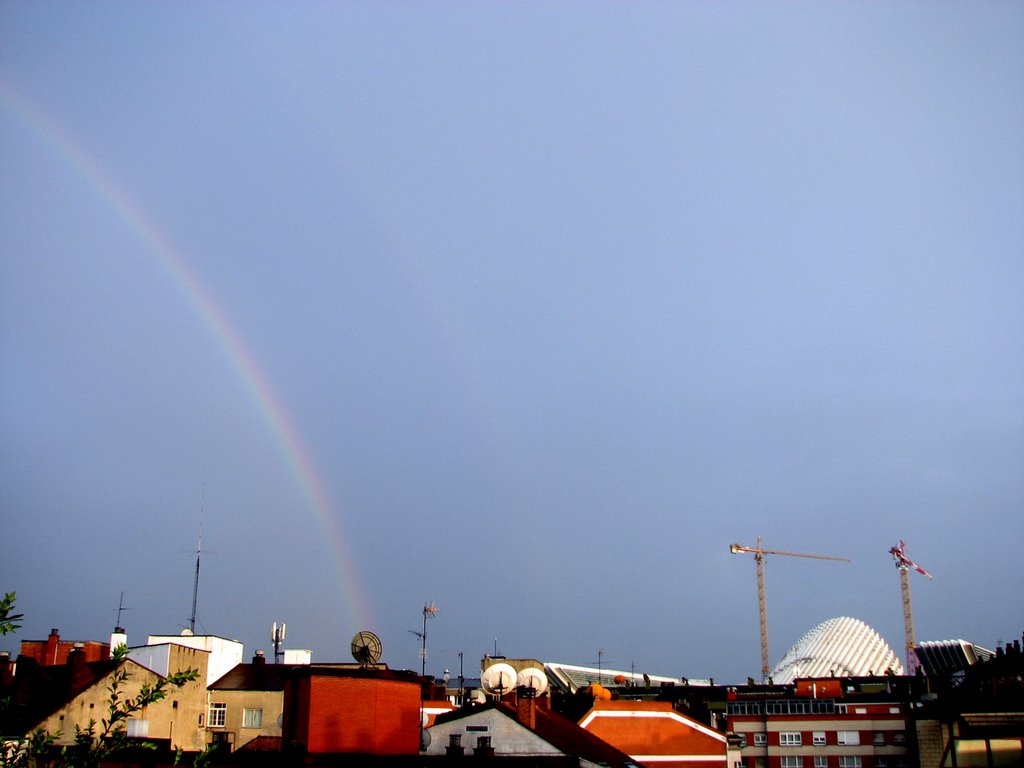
(507, 736)
(224, 654)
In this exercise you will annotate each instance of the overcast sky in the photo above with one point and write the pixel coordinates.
(528, 309)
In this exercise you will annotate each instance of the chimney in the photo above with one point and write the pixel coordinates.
(526, 707)
(79, 667)
(259, 658)
(117, 638)
(52, 644)
(455, 748)
(483, 747)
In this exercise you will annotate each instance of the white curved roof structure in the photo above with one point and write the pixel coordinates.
(840, 647)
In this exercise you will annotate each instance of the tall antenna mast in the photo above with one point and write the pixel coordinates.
(120, 609)
(199, 552)
(429, 609)
(277, 637)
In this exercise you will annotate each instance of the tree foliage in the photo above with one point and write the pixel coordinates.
(9, 621)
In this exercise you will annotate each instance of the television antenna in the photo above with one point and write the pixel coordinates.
(120, 609)
(429, 610)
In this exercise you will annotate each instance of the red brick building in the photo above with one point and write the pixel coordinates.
(53, 651)
(354, 711)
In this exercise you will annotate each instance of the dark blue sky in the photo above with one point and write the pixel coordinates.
(527, 309)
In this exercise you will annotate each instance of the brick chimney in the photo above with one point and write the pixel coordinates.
(526, 709)
(483, 747)
(455, 748)
(52, 645)
(80, 675)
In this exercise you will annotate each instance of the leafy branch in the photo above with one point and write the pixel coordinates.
(9, 622)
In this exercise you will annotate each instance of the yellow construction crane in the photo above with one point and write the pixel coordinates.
(903, 564)
(759, 552)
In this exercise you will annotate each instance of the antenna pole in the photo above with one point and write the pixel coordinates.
(277, 637)
(429, 609)
(120, 609)
(462, 681)
(195, 584)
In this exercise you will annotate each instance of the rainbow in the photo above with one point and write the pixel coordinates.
(173, 262)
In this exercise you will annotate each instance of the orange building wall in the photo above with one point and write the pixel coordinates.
(354, 715)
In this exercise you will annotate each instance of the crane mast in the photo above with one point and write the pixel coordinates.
(903, 565)
(762, 602)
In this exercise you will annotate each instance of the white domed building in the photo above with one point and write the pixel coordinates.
(840, 647)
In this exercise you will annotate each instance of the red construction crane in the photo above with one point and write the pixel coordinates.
(762, 607)
(903, 564)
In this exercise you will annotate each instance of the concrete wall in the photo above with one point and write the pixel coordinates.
(175, 718)
(270, 702)
(931, 740)
(507, 736)
(224, 654)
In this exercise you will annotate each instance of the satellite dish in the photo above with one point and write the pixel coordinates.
(534, 678)
(366, 648)
(498, 678)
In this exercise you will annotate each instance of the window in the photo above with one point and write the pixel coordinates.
(881, 762)
(818, 738)
(849, 761)
(848, 738)
(252, 718)
(899, 737)
(792, 761)
(138, 729)
(218, 715)
(789, 739)
(760, 739)
(821, 761)
(878, 738)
